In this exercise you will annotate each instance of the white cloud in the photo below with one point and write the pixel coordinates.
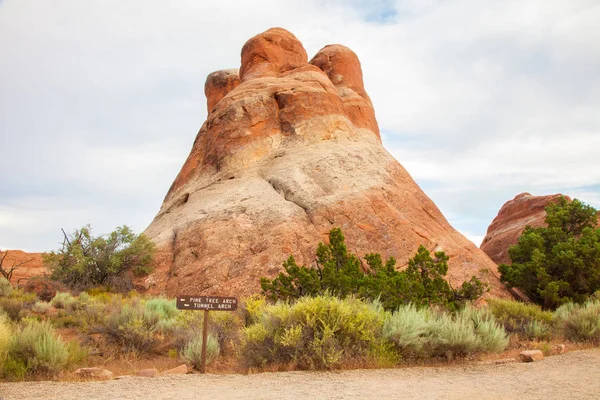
(100, 100)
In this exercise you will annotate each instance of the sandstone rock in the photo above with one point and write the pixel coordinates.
(270, 53)
(343, 69)
(147, 373)
(504, 231)
(218, 84)
(531, 355)
(285, 156)
(180, 370)
(32, 265)
(94, 373)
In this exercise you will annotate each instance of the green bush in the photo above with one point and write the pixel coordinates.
(580, 323)
(538, 330)
(163, 307)
(64, 301)
(339, 273)
(320, 332)
(85, 261)
(408, 328)
(140, 325)
(518, 317)
(129, 326)
(38, 349)
(559, 263)
(192, 352)
(424, 333)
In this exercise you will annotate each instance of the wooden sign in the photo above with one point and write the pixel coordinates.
(209, 303)
(206, 304)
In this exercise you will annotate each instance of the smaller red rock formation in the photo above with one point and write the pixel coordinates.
(31, 265)
(270, 53)
(343, 68)
(504, 231)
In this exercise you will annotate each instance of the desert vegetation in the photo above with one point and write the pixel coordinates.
(337, 315)
(312, 332)
(85, 261)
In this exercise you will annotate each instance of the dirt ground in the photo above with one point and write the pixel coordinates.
(575, 375)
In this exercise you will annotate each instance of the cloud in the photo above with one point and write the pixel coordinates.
(100, 101)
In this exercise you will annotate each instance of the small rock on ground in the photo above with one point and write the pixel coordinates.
(531, 355)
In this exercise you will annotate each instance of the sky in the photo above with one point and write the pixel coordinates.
(100, 100)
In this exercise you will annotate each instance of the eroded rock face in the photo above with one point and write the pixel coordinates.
(283, 157)
(504, 231)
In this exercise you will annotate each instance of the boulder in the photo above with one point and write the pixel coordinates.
(531, 355)
(94, 373)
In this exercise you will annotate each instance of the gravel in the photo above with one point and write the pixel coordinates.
(575, 375)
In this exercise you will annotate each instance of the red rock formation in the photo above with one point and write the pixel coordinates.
(512, 218)
(31, 265)
(288, 154)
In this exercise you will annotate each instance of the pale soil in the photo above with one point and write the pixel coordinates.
(575, 375)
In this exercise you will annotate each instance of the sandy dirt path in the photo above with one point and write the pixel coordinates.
(575, 375)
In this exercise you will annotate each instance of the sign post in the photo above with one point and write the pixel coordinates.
(206, 303)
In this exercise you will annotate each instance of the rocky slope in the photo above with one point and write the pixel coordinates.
(291, 149)
(504, 231)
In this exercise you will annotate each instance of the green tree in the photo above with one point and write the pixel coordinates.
(85, 261)
(340, 273)
(559, 263)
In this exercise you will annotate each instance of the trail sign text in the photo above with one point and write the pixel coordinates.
(208, 303)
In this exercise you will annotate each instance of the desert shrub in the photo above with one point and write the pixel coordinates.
(64, 301)
(67, 319)
(86, 261)
(41, 307)
(320, 332)
(129, 326)
(339, 272)
(192, 352)
(163, 307)
(559, 263)
(225, 327)
(5, 335)
(425, 333)
(538, 330)
(5, 287)
(516, 316)
(12, 307)
(580, 323)
(28, 299)
(43, 287)
(36, 349)
(252, 308)
(408, 329)
(140, 325)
